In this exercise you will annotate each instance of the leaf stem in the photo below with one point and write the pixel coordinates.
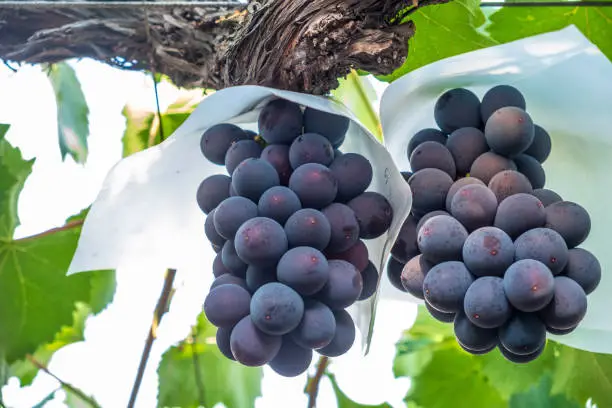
(160, 310)
(312, 386)
(65, 227)
(71, 388)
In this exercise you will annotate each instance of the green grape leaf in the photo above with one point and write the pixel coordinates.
(39, 299)
(345, 402)
(3, 129)
(512, 23)
(582, 375)
(442, 31)
(72, 111)
(539, 396)
(198, 358)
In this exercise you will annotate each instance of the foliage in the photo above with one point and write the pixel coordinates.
(441, 370)
(345, 402)
(72, 111)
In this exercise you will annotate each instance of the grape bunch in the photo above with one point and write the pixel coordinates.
(486, 246)
(288, 222)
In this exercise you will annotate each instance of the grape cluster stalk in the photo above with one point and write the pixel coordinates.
(288, 222)
(486, 246)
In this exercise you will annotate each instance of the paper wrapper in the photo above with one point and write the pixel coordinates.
(567, 83)
(147, 213)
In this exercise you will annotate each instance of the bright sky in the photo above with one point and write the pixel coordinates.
(105, 364)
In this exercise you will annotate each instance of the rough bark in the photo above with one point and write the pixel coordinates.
(301, 45)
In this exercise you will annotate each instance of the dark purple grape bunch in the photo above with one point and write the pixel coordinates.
(486, 246)
(288, 224)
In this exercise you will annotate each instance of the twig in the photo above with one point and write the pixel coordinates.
(160, 310)
(197, 373)
(312, 386)
(65, 227)
(159, 115)
(64, 384)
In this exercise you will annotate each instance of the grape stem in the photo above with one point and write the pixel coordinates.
(160, 310)
(312, 386)
(71, 388)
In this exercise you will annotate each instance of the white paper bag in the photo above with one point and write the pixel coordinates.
(567, 83)
(147, 210)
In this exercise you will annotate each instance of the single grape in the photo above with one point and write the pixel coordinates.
(276, 309)
(354, 174)
(357, 255)
(232, 261)
(457, 108)
(405, 246)
(278, 156)
(509, 182)
(394, 273)
(318, 326)
(443, 317)
(465, 145)
(498, 97)
(472, 337)
(445, 286)
(544, 245)
(519, 213)
(441, 239)
(488, 165)
(583, 267)
(532, 169)
(369, 276)
(523, 334)
(433, 155)
(308, 227)
(252, 347)
(310, 148)
(254, 176)
(223, 342)
(541, 146)
(485, 303)
(457, 185)
(488, 251)
(425, 135)
(474, 206)
(529, 285)
(304, 269)
(314, 184)
(343, 287)
(344, 336)
(217, 139)
(373, 212)
(280, 121)
(239, 151)
(568, 306)
(570, 220)
(278, 203)
(344, 227)
(231, 214)
(218, 268)
(211, 232)
(333, 127)
(427, 216)
(518, 358)
(547, 197)
(291, 360)
(413, 274)
(229, 279)
(261, 241)
(429, 189)
(256, 277)
(212, 191)
(509, 131)
(226, 305)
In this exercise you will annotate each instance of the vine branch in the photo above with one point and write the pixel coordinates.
(312, 386)
(160, 310)
(79, 393)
